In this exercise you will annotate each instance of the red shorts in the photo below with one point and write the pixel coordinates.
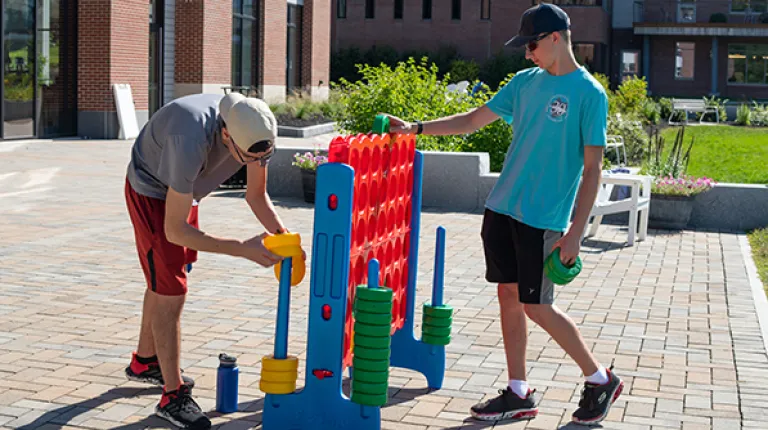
(163, 262)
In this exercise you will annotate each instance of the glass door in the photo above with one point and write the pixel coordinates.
(56, 68)
(18, 92)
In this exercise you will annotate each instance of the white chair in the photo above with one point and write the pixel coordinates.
(638, 204)
(617, 143)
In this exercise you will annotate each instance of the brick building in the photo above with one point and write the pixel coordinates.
(62, 57)
(673, 43)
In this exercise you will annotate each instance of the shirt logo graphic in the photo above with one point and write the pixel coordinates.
(557, 108)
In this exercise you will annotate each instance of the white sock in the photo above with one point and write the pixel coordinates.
(519, 387)
(600, 377)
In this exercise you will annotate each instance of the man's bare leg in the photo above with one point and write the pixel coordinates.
(166, 330)
(514, 330)
(564, 331)
(146, 346)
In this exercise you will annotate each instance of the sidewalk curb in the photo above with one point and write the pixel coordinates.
(760, 299)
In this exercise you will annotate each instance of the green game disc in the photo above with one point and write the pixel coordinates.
(438, 322)
(373, 319)
(369, 399)
(371, 377)
(369, 388)
(369, 365)
(374, 330)
(373, 307)
(373, 294)
(436, 340)
(372, 342)
(436, 331)
(370, 353)
(442, 311)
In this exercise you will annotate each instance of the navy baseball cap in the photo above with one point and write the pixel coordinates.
(543, 18)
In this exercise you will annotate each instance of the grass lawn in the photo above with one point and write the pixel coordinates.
(758, 240)
(725, 153)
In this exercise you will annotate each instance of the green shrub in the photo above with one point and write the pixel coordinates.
(651, 112)
(631, 96)
(759, 115)
(718, 18)
(463, 70)
(607, 87)
(665, 104)
(743, 115)
(635, 138)
(412, 91)
(715, 103)
(675, 164)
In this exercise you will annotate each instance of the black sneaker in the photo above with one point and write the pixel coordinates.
(179, 408)
(150, 373)
(506, 406)
(596, 400)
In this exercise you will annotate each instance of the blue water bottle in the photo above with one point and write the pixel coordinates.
(226, 384)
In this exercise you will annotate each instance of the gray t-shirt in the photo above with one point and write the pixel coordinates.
(181, 147)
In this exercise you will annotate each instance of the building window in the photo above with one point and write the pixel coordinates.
(748, 64)
(485, 9)
(341, 9)
(370, 9)
(630, 64)
(455, 9)
(293, 78)
(585, 54)
(398, 9)
(244, 43)
(426, 9)
(754, 6)
(684, 60)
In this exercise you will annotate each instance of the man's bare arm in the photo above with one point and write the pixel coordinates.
(178, 231)
(462, 123)
(593, 161)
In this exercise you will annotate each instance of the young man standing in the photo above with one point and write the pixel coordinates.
(559, 112)
(187, 149)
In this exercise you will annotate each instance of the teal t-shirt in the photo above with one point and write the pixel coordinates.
(554, 118)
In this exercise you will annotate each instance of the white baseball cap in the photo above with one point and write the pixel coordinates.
(249, 120)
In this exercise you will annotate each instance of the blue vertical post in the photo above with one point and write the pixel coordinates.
(283, 310)
(437, 283)
(715, 58)
(373, 273)
(413, 249)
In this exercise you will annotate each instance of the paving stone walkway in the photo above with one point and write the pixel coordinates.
(674, 313)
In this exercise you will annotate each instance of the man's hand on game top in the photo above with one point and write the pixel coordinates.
(569, 245)
(397, 125)
(255, 251)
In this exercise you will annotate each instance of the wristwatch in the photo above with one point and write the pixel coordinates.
(420, 127)
(281, 230)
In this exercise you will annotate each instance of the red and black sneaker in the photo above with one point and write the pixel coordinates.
(596, 400)
(147, 370)
(179, 408)
(506, 406)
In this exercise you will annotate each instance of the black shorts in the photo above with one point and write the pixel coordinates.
(515, 254)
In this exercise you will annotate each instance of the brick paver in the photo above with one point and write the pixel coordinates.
(674, 313)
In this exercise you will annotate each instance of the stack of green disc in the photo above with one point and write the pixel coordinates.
(557, 272)
(436, 329)
(370, 363)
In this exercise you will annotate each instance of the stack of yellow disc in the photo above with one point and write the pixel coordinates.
(278, 376)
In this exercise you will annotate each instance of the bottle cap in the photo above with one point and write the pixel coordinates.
(226, 360)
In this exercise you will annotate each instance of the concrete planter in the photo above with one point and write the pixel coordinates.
(312, 130)
(670, 212)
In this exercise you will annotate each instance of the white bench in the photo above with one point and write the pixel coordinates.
(692, 105)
